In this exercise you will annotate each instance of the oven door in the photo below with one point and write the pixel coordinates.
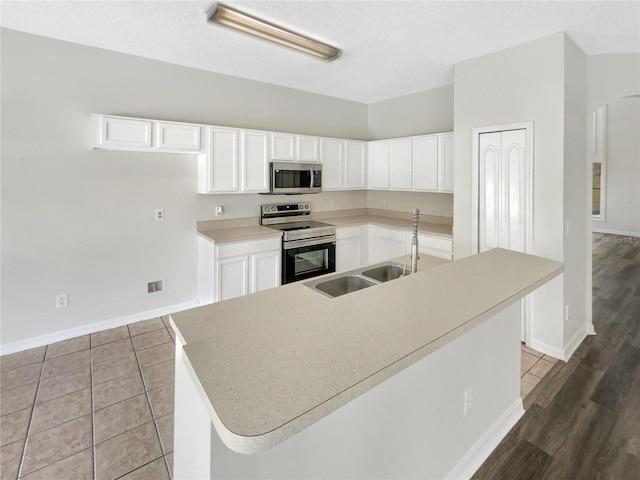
(302, 259)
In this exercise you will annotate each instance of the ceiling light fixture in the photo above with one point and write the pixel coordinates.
(254, 26)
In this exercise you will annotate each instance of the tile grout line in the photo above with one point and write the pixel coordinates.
(33, 409)
(146, 393)
(93, 430)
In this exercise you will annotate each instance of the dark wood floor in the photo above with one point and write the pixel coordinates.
(582, 421)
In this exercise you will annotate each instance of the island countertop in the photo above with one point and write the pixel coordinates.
(270, 364)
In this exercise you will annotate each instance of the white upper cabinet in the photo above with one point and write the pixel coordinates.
(236, 161)
(283, 147)
(332, 158)
(425, 163)
(170, 136)
(119, 133)
(308, 149)
(139, 134)
(379, 164)
(355, 165)
(400, 164)
(254, 161)
(218, 167)
(344, 164)
(445, 162)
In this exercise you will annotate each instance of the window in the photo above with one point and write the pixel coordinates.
(596, 192)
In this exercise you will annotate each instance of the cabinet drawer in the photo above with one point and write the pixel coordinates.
(437, 243)
(246, 248)
(348, 232)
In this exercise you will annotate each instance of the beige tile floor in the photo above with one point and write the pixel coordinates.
(97, 406)
(100, 406)
(533, 367)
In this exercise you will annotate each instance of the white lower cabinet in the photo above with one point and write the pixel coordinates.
(386, 243)
(351, 247)
(234, 269)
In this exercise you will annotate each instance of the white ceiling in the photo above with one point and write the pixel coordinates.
(390, 48)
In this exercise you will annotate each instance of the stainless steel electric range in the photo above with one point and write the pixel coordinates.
(308, 247)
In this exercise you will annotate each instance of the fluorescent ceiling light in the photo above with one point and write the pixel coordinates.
(254, 26)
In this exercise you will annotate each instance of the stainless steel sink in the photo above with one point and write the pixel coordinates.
(384, 273)
(354, 280)
(342, 285)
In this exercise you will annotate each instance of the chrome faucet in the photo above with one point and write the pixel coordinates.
(414, 242)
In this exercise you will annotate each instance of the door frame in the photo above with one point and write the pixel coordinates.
(527, 302)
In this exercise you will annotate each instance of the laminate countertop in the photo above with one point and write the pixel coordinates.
(270, 364)
(258, 232)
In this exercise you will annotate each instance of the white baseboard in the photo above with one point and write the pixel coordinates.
(615, 232)
(480, 451)
(573, 344)
(61, 335)
(570, 347)
(547, 349)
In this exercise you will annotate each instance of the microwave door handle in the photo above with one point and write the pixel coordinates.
(311, 172)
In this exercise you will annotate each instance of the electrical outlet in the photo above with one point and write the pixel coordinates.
(383, 203)
(155, 288)
(567, 313)
(332, 203)
(62, 300)
(159, 214)
(468, 400)
(219, 210)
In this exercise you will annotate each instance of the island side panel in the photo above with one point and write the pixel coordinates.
(193, 428)
(410, 426)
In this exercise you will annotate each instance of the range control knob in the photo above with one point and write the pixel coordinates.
(306, 206)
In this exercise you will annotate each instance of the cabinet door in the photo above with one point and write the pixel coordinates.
(445, 163)
(425, 163)
(232, 275)
(222, 160)
(308, 149)
(348, 254)
(177, 137)
(123, 132)
(379, 164)
(355, 165)
(386, 243)
(400, 164)
(254, 161)
(265, 270)
(283, 146)
(332, 157)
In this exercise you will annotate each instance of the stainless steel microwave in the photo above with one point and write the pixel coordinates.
(290, 178)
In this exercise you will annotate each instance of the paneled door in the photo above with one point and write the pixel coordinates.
(504, 190)
(505, 198)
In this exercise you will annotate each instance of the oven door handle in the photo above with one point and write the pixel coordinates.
(329, 239)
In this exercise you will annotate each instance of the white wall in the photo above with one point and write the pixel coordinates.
(430, 111)
(439, 204)
(523, 83)
(577, 205)
(80, 221)
(622, 207)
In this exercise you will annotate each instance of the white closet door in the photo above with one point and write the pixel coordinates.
(490, 183)
(515, 190)
(503, 190)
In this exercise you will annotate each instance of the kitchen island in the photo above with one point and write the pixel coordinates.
(414, 378)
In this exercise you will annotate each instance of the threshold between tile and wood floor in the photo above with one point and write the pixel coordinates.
(101, 405)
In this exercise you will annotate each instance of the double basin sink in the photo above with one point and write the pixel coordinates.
(354, 280)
